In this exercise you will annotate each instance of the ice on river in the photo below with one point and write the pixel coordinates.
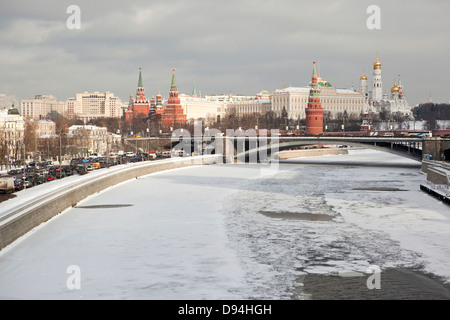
(229, 231)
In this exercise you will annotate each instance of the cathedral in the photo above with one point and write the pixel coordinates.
(376, 101)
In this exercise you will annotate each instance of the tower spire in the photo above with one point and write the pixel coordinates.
(140, 83)
(173, 87)
(194, 90)
(314, 70)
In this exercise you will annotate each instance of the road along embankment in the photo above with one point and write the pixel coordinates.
(25, 217)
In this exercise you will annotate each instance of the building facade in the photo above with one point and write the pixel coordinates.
(42, 106)
(93, 139)
(12, 133)
(92, 105)
(45, 127)
(249, 107)
(294, 100)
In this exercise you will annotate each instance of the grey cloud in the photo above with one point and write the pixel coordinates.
(239, 46)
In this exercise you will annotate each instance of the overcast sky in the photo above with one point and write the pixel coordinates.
(241, 47)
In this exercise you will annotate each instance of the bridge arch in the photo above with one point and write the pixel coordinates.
(286, 145)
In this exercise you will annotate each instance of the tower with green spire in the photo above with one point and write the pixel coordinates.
(314, 110)
(140, 106)
(173, 113)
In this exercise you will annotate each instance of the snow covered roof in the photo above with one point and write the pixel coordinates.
(294, 89)
(347, 91)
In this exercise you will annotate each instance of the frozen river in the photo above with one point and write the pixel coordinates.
(239, 232)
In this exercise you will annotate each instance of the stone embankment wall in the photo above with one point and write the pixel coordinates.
(438, 180)
(437, 172)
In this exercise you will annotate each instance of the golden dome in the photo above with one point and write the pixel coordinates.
(377, 64)
(394, 89)
(363, 77)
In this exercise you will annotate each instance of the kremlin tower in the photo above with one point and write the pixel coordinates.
(377, 91)
(364, 88)
(314, 110)
(140, 107)
(173, 112)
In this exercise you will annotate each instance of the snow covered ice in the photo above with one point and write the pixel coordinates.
(231, 232)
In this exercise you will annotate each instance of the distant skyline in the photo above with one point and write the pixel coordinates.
(242, 47)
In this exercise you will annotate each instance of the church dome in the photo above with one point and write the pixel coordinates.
(394, 89)
(377, 64)
(13, 111)
(363, 77)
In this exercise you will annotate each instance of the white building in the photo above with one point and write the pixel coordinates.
(378, 102)
(45, 127)
(229, 98)
(295, 99)
(91, 105)
(396, 103)
(201, 107)
(12, 129)
(94, 139)
(41, 106)
(249, 107)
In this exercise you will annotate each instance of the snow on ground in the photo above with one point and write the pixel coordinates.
(230, 231)
(169, 244)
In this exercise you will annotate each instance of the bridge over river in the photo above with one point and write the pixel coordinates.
(241, 145)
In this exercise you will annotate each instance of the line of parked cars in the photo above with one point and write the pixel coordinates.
(36, 173)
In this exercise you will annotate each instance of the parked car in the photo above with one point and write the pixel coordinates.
(18, 184)
(27, 184)
(40, 179)
(81, 169)
(50, 177)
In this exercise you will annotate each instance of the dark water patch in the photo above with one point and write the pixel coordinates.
(104, 206)
(379, 189)
(297, 215)
(395, 284)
